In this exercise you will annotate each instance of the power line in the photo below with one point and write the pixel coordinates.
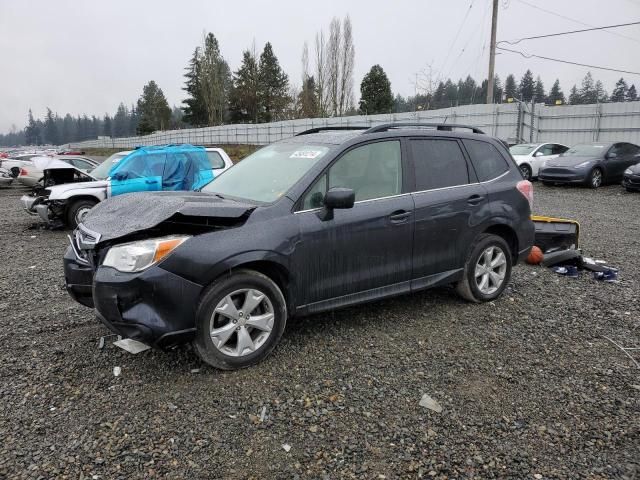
(515, 42)
(455, 39)
(531, 55)
(574, 20)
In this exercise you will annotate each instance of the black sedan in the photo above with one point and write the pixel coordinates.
(631, 179)
(591, 164)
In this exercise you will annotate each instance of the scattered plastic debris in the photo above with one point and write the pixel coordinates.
(195, 370)
(263, 413)
(286, 447)
(131, 346)
(428, 402)
(117, 371)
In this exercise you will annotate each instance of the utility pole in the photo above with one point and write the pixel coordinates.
(492, 52)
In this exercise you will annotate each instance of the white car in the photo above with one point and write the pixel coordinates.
(68, 203)
(531, 156)
(5, 178)
(15, 163)
(30, 174)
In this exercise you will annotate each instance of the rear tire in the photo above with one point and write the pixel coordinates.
(595, 178)
(487, 270)
(78, 210)
(229, 338)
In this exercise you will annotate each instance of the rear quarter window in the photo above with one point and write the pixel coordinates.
(215, 160)
(486, 159)
(438, 164)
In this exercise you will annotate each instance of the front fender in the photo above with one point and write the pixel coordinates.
(98, 193)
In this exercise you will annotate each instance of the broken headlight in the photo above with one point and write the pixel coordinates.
(138, 256)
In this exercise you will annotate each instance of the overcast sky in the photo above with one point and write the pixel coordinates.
(86, 56)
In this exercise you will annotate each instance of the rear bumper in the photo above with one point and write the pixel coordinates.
(155, 307)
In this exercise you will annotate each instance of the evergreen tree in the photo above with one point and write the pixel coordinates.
(107, 127)
(588, 93)
(375, 92)
(556, 93)
(526, 87)
(68, 129)
(153, 109)
(308, 99)
(400, 104)
(244, 96)
(632, 96)
(620, 91)
(32, 131)
(214, 81)
(121, 122)
(51, 135)
(574, 96)
(451, 93)
(177, 118)
(133, 119)
(510, 87)
(195, 110)
(439, 98)
(273, 85)
(539, 94)
(601, 93)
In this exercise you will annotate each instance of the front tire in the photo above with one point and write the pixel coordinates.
(595, 178)
(487, 270)
(240, 320)
(525, 170)
(78, 210)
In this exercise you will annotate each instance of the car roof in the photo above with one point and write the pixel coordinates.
(330, 137)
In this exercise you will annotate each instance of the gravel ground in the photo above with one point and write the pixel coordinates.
(529, 386)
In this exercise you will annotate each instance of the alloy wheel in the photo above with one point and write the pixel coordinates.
(490, 270)
(242, 322)
(596, 178)
(526, 172)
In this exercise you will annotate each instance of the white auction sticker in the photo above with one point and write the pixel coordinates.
(306, 154)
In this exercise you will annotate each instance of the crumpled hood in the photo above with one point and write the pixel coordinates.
(571, 161)
(126, 214)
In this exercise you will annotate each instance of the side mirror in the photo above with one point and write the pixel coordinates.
(337, 198)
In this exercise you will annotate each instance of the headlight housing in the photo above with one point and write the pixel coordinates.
(140, 255)
(628, 172)
(583, 164)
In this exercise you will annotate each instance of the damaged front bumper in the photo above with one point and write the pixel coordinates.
(155, 307)
(36, 206)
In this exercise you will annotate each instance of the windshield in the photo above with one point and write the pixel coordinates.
(102, 171)
(522, 149)
(585, 150)
(269, 173)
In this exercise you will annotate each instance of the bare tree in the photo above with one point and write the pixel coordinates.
(333, 60)
(426, 83)
(348, 53)
(305, 62)
(321, 74)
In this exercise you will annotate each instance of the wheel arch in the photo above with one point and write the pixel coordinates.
(265, 263)
(508, 234)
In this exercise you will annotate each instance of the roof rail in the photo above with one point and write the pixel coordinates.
(324, 129)
(438, 126)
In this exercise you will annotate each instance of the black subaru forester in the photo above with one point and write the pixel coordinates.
(323, 220)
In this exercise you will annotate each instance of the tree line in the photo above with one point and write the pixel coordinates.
(260, 91)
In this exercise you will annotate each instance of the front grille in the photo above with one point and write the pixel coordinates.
(83, 244)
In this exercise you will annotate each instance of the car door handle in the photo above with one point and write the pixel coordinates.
(475, 199)
(399, 216)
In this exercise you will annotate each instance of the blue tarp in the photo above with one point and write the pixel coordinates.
(172, 167)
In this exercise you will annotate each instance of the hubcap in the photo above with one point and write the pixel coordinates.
(490, 270)
(81, 213)
(596, 178)
(241, 322)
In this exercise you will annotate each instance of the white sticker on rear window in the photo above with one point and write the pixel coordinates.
(306, 154)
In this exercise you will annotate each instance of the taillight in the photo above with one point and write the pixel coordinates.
(23, 172)
(526, 188)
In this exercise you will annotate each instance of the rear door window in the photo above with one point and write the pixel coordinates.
(558, 149)
(486, 160)
(438, 163)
